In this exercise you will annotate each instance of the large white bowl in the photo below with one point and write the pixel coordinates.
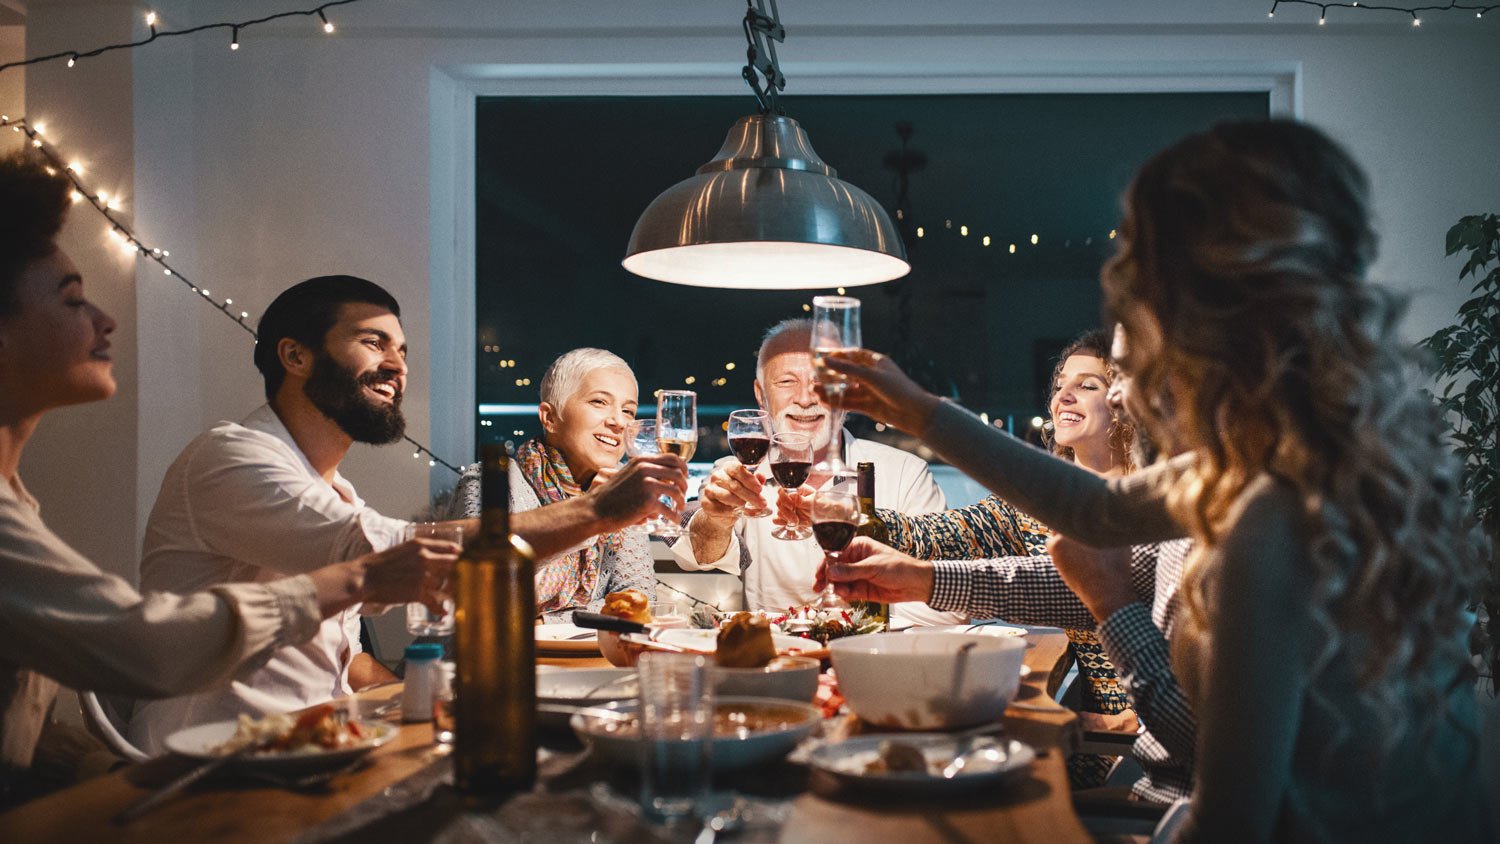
(611, 730)
(909, 682)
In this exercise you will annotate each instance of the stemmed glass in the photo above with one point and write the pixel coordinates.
(835, 328)
(791, 460)
(640, 439)
(835, 517)
(750, 439)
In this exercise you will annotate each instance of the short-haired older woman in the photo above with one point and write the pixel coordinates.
(589, 397)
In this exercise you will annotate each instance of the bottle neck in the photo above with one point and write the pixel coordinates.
(494, 493)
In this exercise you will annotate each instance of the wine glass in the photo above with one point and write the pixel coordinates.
(640, 439)
(677, 422)
(835, 517)
(750, 439)
(791, 460)
(835, 328)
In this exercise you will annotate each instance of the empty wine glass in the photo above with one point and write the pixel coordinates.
(835, 328)
(835, 518)
(641, 439)
(791, 460)
(750, 440)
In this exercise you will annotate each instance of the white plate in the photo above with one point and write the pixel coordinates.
(974, 629)
(587, 686)
(200, 742)
(707, 641)
(559, 638)
(848, 761)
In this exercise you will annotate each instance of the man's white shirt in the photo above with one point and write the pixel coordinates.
(242, 504)
(780, 572)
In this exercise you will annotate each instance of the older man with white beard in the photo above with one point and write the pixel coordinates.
(776, 573)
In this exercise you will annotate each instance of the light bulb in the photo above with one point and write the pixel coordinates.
(986, 240)
(1012, 249)
(150, 19)
(963, 231)
(920, 232)
(1033, 240)
(328, 27)
(72, 61)
(76, 168)
(38, 128)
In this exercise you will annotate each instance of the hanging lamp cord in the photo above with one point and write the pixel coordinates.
(763, 73)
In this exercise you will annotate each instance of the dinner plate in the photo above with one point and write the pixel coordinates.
(566, 638)
(784, 724)
(587, 686)
(707, 641)
(849, 761)
(201, 741)
(975, 629)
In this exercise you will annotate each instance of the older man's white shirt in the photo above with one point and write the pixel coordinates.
(780, 572)
(242, 504)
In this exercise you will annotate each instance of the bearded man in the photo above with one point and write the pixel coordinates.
(260, 499)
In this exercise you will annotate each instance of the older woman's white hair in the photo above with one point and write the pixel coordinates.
(565, 374)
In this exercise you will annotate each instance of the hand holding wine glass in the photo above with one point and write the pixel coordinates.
(641, 440)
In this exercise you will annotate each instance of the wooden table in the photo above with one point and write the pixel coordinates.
(1037, 808)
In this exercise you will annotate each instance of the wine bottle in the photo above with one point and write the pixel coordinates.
(494, 751)
(870, 525)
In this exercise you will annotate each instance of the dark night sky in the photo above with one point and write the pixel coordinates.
(562, 180)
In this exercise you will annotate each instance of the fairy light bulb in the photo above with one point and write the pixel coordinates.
(234, 38)
(151, 19)
(72, 60)
(327, 25)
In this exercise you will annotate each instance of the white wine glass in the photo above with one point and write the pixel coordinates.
(835, 328)
(640, 440)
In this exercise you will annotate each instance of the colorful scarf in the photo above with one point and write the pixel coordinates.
(565, 582)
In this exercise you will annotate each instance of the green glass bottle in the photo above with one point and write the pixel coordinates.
(494, 751)
(871, 525)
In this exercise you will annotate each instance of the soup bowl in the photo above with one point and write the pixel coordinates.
(940, 682)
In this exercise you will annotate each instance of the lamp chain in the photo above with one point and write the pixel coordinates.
(762, 31)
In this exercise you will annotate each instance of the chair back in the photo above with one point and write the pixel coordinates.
(103, 721)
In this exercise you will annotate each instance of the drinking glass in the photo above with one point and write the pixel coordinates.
(421, 621)
(835, 517)
(791, 460)
(835, 328)
(641, 439)
(750, 440)
(677, 730)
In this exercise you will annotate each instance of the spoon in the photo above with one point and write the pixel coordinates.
(967, 754)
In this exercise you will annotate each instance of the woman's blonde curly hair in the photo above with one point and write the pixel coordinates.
(1256, 342)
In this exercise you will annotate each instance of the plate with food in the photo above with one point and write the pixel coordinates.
(922, 762)
(747, 731)
(566, 639)
(980, 629)
(317, 738)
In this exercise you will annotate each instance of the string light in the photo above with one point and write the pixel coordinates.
(129, 242)
(1414, 11)
(234, 27)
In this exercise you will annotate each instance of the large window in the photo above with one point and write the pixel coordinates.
(561, 181)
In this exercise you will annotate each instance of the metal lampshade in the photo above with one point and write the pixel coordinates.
(766, 214)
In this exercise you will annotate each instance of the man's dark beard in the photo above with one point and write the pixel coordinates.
(339, 393)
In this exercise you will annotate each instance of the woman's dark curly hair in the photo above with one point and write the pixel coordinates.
(33, 203)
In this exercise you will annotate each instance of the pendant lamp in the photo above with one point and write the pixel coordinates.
(766, 213)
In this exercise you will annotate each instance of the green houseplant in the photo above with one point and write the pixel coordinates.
(1467, 354)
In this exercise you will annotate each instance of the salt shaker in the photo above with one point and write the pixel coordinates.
(422, 681)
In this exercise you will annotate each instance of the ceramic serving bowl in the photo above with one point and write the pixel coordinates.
(940, 682)
(747, 730)
(786, 678)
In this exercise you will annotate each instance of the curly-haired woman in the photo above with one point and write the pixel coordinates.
(1323, 635)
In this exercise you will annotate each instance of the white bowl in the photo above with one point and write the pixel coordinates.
(786, 678)
(909, 682)
(612, 730)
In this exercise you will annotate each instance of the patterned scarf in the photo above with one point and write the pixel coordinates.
(568, 581)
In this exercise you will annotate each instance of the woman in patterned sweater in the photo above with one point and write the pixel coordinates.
(1085, 431)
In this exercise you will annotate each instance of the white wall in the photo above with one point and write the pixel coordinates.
(303, 154)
